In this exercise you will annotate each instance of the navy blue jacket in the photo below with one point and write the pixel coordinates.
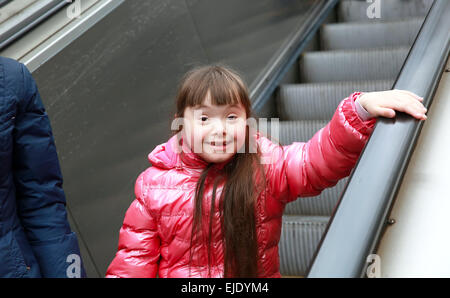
(35, 236)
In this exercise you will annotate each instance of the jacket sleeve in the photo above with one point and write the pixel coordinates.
(306, 169)
(139, 242)
(41, 203)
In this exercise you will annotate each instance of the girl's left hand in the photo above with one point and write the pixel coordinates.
(384, 103)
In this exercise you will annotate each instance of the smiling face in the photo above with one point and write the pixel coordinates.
(215, 132)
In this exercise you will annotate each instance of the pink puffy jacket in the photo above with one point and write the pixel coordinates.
(155, 235)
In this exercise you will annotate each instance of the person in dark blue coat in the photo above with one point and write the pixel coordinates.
(35, 235)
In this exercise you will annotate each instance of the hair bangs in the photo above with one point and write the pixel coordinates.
(224, 90)
(221, 87)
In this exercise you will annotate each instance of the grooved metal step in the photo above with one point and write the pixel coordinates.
(314, 101)
(352, 65)
(322, 204)
(300, 233)
(369, 35)
(299, 130)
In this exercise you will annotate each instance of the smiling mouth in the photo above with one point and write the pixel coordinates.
(219, 144)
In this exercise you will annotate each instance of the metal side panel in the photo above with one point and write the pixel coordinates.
(299, 238)
(417, 244)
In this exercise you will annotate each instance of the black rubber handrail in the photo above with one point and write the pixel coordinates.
(265, 84)
(362, 213)
(25, 25)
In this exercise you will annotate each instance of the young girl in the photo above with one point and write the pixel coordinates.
(211, 205)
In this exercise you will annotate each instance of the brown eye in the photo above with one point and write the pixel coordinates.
(203, 118)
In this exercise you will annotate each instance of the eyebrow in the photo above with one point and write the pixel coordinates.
(207, 107)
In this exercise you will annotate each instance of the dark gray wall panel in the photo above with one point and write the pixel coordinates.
(246, 34)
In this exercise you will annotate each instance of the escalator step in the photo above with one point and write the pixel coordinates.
(299, 239)
(354, 10)
(298, 130)
(302, 131)
(352, 65)
(322, 204)
(314, 101)
(369, 35)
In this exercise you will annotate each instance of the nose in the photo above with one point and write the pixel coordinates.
(218, 128)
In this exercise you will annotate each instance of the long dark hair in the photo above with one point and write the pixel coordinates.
(243, 175)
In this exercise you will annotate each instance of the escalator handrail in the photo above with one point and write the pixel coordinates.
(361, 216)
(264, 85)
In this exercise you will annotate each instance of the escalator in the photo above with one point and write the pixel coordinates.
(388, 222)
(351, 52)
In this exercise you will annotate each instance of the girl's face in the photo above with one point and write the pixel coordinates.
(215, 132)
